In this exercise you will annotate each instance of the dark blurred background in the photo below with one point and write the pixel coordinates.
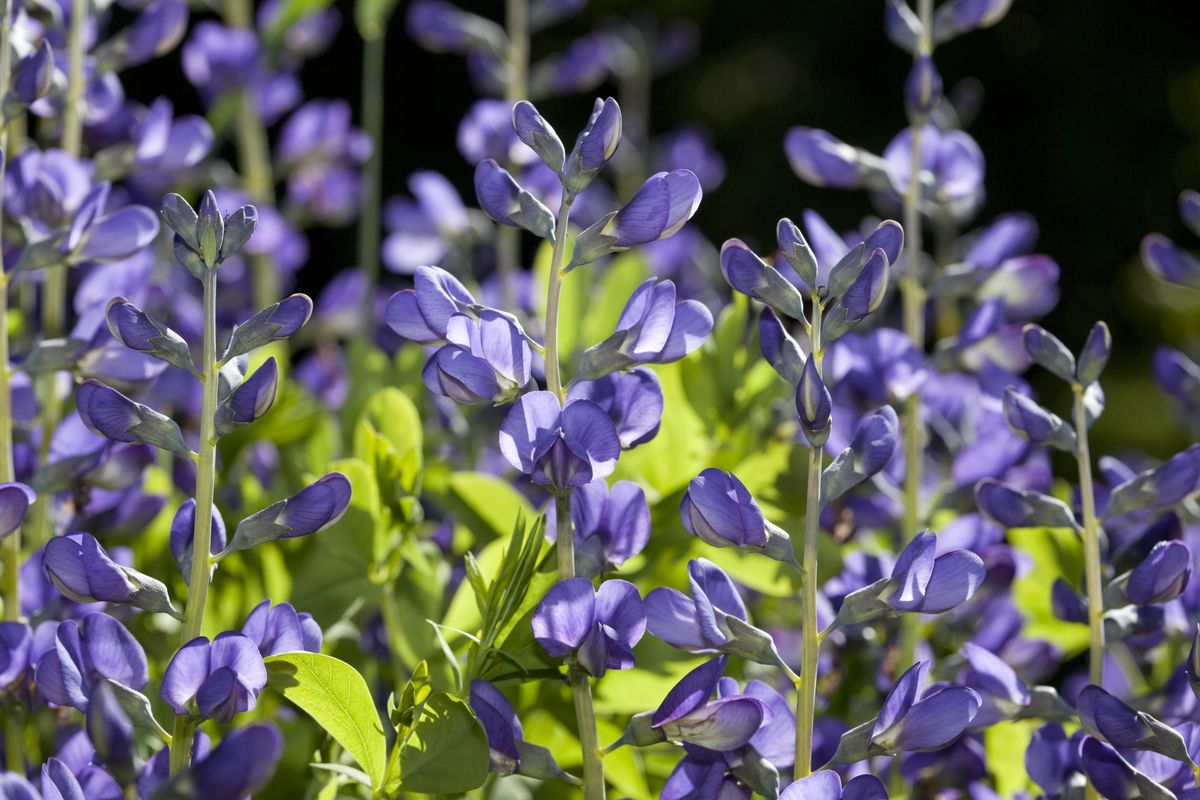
(1090, 121)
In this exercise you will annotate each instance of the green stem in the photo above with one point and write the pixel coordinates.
(1091, 542)
(554, 296)
(913, 299)
(1091, 553)
(581, 689)
(254, 161)
(806, 689)
(181, 743)
(369, 220)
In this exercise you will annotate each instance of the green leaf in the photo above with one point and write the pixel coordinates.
(390, 426)
(336, 697)
(1055, 553)
(1005, 744)
(494, 501)
(447, 751)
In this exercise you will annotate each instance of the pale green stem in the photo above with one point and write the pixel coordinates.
(581, 690)
(913, 298)
(254, 162)
(508, 240)
(554, 296)
(1091, 552)
(806, 688)
(369, 220)
(181, 743)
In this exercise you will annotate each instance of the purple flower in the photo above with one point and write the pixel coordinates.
(205, 238)
(578, 68)
(445, 28)
(594, 146)
(83, 572)
(110, 730)
(719, 510)
(275, 322)
(691, 147)
(821, 159)
(13, 786)
(16, 653)
(698, 624)
(827, 785)
(659, 208)
(1165, 485)
(1030, 421)
(813, 404)
(536, 133)
(1162, 576)
(485, 360)
(114, 416)
(1113, 776)
(164, 144)
(653, 329)
(183, 531)
(424, 231)
(611, 526)
(1001, 692)
(240, 766)
(633, 401)
(506, 202)
(689, 715)
(83, 654)
(961, 16)
(15, 500)
(922, 87)
(951, 160)
(312, 509)
(910, 722)
(1110, 720)
(1169, 263)
(1049, 757)
(599, 627)
(279, 629)
(559, 447)
(136, 330)
(487, 131)
(1013, 507)
(501, 725)
(215, 680)
(252, 398)
(217, 59)
(33, 75)
(1026, 287)
(930, 584)
(422, 314)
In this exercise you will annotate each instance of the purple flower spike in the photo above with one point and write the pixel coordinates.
(559, 447)
(183, 528)
(1162, 576)
(85, 653)
(821, 159)
(909, 724)
(929, 585)
(688, 715)
(697, 624)
(719, 510)
(279, 629)
(501, 725)
(660, 208)
(215, 680)
(599, 628)
(311, 510)
(506, 202)
(653, 329)
(15, 500)
(422, 314)
(633, 401)
(611, 526)
(486, 360)
(79, 568)
(814, 405)
(250, 400)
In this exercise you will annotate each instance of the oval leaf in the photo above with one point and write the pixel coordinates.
(447, 751)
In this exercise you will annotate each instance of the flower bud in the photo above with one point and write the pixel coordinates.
(1094, 355)
(922, 88)
(210, 230)
(1048, 352)
(814, 405)
(1033, 423)
(536, 132)
(250, 400)
(594, 146)
(821, 159)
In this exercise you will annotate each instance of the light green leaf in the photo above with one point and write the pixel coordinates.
(496, 502)
(1005, 744)
(1055, 553)
(336, 697)
(447, 751)
(389, 430)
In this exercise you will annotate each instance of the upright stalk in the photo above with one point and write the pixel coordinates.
(913, 298)
(54, 290)
(1091, 541)
(554, 297)
(14, 725)
(516, 88)
(181, 743)
(369, 220)
(581, 689)
(254, 162)
(806, 688)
